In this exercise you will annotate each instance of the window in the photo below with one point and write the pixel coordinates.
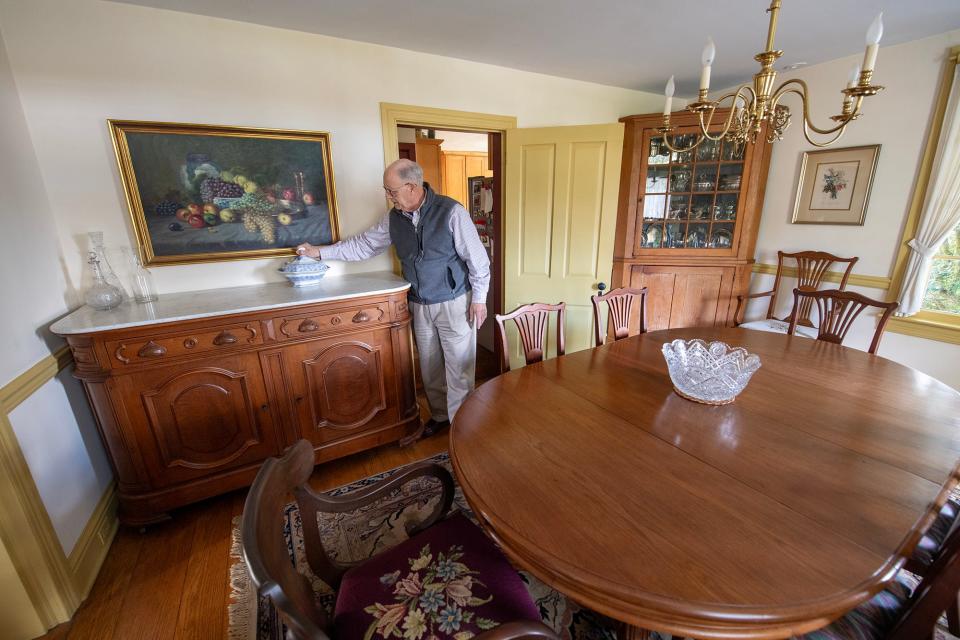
(943, 285)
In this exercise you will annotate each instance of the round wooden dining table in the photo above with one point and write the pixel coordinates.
(763, 518)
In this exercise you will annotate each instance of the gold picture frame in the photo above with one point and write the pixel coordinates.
(208, 193)
(834, 185)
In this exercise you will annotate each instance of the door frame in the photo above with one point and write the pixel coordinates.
(393, 115)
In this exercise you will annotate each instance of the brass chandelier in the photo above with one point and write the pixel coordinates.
(753, 106)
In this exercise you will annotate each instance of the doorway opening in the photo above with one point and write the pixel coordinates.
(466, 166)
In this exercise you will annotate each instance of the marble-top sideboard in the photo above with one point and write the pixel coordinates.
(190, 305)
(194, 391)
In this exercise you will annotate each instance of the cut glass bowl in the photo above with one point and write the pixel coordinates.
(713, 373)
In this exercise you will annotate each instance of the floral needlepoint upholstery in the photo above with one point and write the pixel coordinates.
(448, 582)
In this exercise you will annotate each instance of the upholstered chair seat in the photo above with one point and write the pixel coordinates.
(449, 579)
(779, 326)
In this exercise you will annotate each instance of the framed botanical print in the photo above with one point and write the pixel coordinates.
(835, 185)
(203, 193)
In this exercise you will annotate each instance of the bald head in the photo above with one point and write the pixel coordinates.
(404, 171)
(403, 184)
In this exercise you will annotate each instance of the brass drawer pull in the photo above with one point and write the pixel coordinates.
(225, 337)
(152, 350)
(361, 317)
(307, 326)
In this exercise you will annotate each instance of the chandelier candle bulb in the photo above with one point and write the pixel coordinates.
(874, 33)
(668, 93)
(706, 58)
(854, 77)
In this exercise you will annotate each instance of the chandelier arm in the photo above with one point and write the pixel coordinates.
(785, 89)
(806, 134)
(704, 127)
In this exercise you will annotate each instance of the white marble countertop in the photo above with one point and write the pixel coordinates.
(189, 305)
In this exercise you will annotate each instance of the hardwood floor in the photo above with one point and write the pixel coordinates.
(171, 581)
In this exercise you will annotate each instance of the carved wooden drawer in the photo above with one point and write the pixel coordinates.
(142, 349)
(347, 318)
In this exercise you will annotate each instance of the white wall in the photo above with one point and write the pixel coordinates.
(59, 439)
(31, 280)
(80, 62)
(898, 119)
(54, 426)
(462, 141)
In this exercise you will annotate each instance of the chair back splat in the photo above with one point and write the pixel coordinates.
(620, 306)
(275, 576)
(837, 310)
(812, 267)
(532, 321)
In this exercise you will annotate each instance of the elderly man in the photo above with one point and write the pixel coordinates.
(449, 274)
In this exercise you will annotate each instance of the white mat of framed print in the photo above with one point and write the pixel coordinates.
(835, 185)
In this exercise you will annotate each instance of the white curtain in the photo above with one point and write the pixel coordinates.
(941, 207)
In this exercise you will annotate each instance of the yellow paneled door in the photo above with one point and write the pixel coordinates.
(560, 216)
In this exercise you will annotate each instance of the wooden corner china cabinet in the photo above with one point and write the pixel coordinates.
(687, 222)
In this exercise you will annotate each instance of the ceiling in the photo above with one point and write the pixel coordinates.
(635, 44)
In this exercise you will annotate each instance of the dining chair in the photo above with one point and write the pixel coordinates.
(531, 320)
(931, 546)
(811, 268)
(837, 310)
(374, 596)
(620, 305)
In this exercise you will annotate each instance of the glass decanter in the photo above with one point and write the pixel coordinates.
(109, 275)
(101, 295)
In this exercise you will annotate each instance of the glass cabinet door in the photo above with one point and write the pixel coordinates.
(690, 199)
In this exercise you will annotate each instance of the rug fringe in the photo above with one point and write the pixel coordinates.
(242, 608)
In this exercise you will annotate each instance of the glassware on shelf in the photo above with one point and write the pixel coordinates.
(678, 207)
(652, 235)
(696, 236)
(709, 150)
(706, 181)
(109, 275)
(659, 153)
(143, 289)
(101, 295)
(680, 179)
(674, 237)
(721, 237)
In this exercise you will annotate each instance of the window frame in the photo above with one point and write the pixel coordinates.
(934, 325)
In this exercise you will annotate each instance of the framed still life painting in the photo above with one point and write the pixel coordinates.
(204, 193)
(835, 185)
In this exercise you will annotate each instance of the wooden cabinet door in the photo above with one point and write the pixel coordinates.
(685, 296)
(454, 173)
(342, 386)
(194, 419)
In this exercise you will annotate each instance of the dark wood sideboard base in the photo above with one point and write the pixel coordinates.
(189, 409)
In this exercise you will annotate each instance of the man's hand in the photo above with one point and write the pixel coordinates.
(307, 249)
(477, 313)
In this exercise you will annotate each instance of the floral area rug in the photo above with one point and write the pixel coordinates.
(362, 533)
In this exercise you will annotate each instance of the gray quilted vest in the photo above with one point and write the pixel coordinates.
(427, 254)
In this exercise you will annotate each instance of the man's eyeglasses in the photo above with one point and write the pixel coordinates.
(394, 192)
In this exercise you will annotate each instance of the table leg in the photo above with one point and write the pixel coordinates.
(630, 632)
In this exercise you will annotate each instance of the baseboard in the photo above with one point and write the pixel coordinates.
(92, 546)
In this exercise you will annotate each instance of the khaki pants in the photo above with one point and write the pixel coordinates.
(447, 343)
